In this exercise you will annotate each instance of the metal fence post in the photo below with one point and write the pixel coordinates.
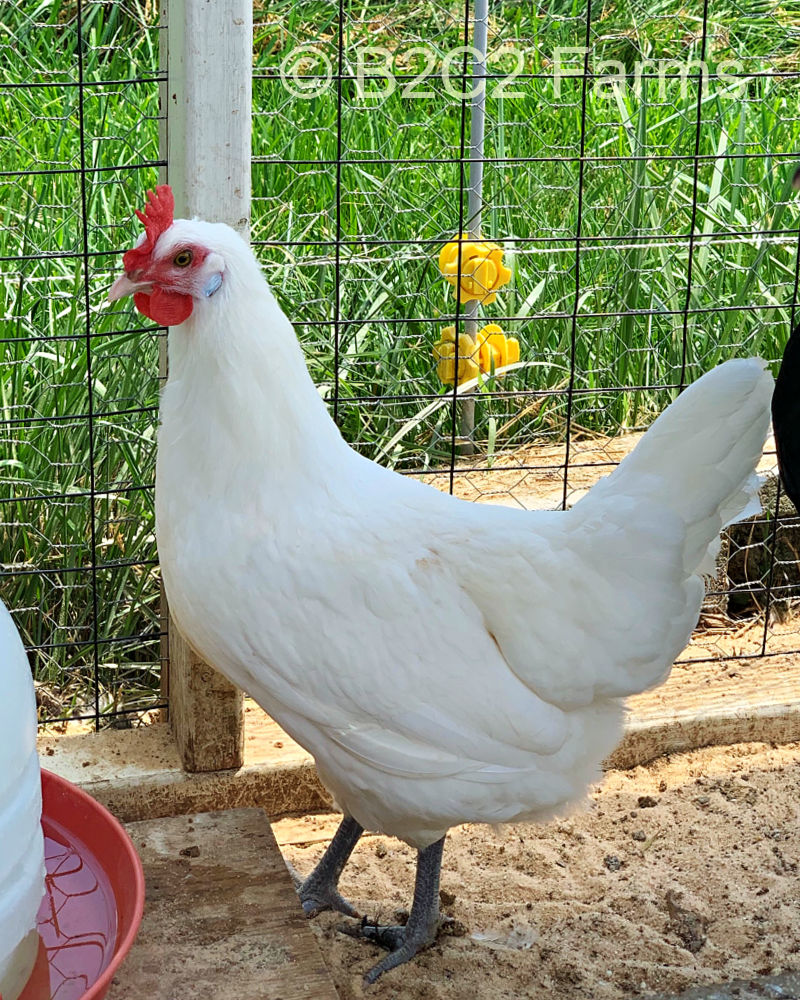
(475, 192)
(208, 122)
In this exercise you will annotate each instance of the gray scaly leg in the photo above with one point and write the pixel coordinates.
(423, 921)
(319, 891)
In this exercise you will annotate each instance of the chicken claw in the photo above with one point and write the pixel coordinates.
(317, 902)
(423, 923)
(403, 944)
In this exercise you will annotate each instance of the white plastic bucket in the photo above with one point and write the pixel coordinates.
(21, 839)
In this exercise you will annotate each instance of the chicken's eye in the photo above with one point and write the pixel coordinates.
(182, 259)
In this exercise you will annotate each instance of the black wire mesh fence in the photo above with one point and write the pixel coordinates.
(80, 383)
(637, 179)
(638, 161)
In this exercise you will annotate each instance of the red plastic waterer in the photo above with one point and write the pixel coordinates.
(94, 896)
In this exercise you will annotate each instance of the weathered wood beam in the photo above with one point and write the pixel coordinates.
(207, 48)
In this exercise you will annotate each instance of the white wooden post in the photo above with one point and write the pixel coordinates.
(209, 109)
(208, 122)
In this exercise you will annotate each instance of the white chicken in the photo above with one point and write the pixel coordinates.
(443, 662)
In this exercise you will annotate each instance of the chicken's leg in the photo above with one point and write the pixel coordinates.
(319, 891)
(423, 921)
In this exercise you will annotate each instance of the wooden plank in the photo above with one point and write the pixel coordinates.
(205, 710)
(163, 178)
(694, 710)
(221, 916)
(208, 48)
(137, 773)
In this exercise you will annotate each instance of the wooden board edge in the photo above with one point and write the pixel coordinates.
(285, 779)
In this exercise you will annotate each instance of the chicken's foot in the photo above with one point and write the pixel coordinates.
(420, 931)
(319, 891)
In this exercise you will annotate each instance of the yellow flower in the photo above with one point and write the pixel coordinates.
(482, 268)
(490, 351)
(444, 353)
(495, 349)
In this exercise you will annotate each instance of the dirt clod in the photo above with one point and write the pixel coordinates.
(690, 926)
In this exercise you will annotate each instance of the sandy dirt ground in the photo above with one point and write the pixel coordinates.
(678, 874)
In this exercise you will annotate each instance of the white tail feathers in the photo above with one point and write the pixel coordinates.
(699, 458)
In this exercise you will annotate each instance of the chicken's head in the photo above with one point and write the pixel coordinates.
(169, 270)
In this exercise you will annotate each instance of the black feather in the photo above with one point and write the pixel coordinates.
(786, 418)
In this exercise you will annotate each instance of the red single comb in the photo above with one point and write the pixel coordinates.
(157, 218)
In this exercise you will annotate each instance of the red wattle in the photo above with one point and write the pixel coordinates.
(164, 308)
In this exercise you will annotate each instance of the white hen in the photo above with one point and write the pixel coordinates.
(443, 662)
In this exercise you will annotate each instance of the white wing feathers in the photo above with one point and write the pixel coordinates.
(468, 601)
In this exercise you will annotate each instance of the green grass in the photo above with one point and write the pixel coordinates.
(46, 449)
(637, 208)
(394, 216)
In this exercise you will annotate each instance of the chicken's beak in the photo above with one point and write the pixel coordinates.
(124, 286)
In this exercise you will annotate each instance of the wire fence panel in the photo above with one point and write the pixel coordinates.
(638, 165)
(685, 256)
(79, 142)
(637, 176)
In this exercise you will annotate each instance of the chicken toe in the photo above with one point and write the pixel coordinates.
(315, 902)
